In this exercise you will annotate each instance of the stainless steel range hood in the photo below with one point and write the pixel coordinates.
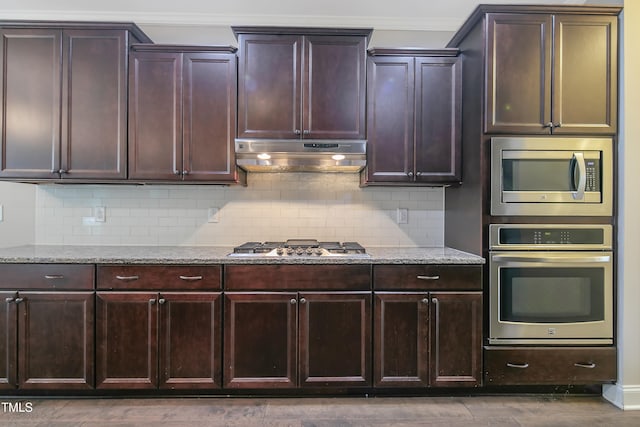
(307, 155)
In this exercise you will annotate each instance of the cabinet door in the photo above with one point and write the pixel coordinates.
(456, 339)
(155, 116)
(30, 78)
(8, 340)
(390, 119)
(126, 340)
(401, 339)
(518, 73)
(189, 337)
(585, 74)
(269, 89)
(334, 87)
(260, 336)
(335, 339)
(56, 344)
(209, 106)
(94, 109)
(438, 119)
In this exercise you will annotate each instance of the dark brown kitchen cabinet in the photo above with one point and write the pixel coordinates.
(549, 365)
(67, 84)
(301, 83)
(294, 325)
(414, 117)
(150, 334)
(551, 73)
(182, 112)
(305, 339)
(424, 337)
(46, 327)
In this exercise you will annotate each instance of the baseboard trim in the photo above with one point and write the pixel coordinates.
(624, 397)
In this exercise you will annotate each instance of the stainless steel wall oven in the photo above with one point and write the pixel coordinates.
(550, 284)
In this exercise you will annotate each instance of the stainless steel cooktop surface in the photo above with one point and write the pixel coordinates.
(300, 248)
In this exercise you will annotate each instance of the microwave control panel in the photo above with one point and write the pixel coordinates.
(593, 175)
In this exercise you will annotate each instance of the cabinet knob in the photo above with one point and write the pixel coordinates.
(19, 300)
(303, 300)
(410, 174)
(152, 301)
(293, 301)
(177, 172)
(306, 132)
(162, 301)
(185, 173)
(297, 132)
(425, 300)
(557, 125)
(418, 173)
(62, 171)
(548, 125)
(9, 300)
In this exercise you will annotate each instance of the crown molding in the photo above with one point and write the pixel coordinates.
(410, 23)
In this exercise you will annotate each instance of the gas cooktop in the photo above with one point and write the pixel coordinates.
(298, 248)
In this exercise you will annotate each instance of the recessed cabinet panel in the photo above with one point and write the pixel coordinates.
(31, 96)
(8, 341)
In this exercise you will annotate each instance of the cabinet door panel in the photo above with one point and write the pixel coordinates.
(401, 340)
(335, 339)
(585, 74)
(334, 87)
(438, 119)
(155, 116)
(190, 328)
(209, 116)
(56, 340)
(269, 87)
(8, 340)
(456, 339)
(126, 340)
(518, 74)
(260, 331)
(30, 78)
(94, 134)
(390, 114)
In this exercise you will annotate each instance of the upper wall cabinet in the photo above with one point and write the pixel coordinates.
(413, 117)
(63, 110)
(182, 112)
(551, 73)
(301, 83)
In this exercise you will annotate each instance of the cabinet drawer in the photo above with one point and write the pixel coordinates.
(180, 277)
(46, 276)
(297, 277)
(545, 365)
(427, 277)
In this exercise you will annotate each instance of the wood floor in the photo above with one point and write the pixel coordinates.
(528, 410)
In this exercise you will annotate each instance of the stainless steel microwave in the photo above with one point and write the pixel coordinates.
(551, 176)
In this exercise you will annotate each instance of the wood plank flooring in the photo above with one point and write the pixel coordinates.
(509, 410)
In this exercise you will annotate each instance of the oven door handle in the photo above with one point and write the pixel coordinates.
(582, 176)
(551, 259)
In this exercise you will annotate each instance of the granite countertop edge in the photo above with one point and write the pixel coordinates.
(193, 255)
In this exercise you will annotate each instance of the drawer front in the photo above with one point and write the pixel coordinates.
(297, 277)
(427, 277)
(145, 277)
(559, 365)
(47, 276)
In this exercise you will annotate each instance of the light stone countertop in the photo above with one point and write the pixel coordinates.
(71, 254)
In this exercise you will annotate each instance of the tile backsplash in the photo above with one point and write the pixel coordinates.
(272, 207)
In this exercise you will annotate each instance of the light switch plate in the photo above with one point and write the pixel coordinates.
(213, 215)
(100, 214)
(402, 216)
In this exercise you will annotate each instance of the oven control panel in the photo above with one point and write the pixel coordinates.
(550, 236)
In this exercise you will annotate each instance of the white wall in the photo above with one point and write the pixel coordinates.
(626, 393)
(18, 211)
(272, 207)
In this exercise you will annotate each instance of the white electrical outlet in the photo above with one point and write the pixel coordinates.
(213, 215)
(100, 214)
(402, 216)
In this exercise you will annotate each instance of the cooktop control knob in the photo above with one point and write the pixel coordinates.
(280, 251)
(299, 251)
(289, 251)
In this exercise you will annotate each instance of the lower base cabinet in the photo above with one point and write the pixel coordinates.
(549, 365)
(297, 339)
(424, 339)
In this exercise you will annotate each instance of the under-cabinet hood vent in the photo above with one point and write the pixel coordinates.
(270, 155)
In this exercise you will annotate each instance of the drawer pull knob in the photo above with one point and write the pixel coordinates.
(127, 278)
(53, 276)
(19, 300)
(428, 277)
(10, 300)
(585, 365)
(193, 278)
(425, 300)
(293, 301)
(518, 365)
(162, 301)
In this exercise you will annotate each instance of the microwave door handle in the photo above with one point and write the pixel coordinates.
(582, 176)
(551, 259)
